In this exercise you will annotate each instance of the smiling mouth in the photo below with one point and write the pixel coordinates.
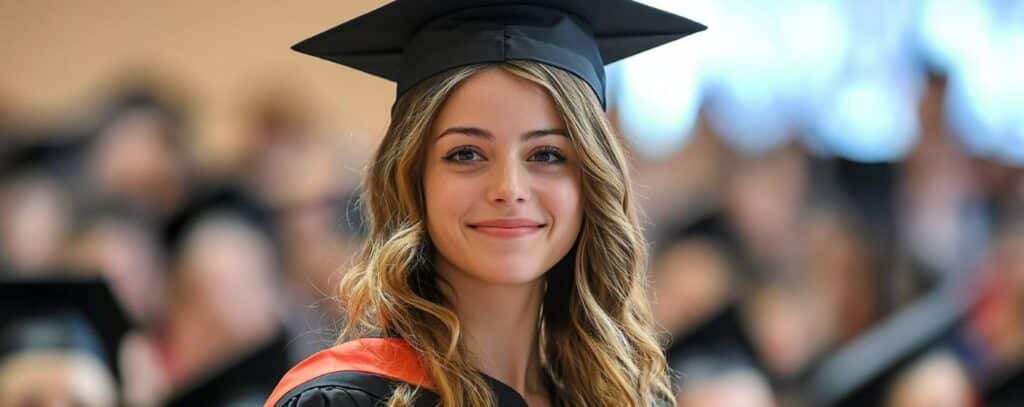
(508, 231)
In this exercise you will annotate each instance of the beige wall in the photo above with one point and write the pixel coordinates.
(60, 57)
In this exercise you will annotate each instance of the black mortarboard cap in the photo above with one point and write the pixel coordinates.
(62, 313)
(408, 41)
(861, 373)
(48, 152)
(247, 381)
(716, 229)
(218, 199)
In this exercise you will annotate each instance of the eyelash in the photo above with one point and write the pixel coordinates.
(451, 156)
(558, 156)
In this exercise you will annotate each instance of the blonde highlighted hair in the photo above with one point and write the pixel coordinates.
(597, 338)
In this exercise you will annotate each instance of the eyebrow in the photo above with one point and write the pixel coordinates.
(481, 133)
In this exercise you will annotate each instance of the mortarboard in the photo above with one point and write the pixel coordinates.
(19, 158)
(245, 382)
(408, 41)
(217, 200)
(50, 152)
(64, 314)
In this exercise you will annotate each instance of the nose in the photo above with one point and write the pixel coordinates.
(508, 183)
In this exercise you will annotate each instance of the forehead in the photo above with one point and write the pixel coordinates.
(500, 102)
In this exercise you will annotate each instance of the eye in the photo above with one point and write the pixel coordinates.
(463, 155)
(547, 155)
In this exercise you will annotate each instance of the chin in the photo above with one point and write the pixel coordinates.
(508, 272)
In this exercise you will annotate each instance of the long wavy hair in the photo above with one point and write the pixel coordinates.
(597, 339)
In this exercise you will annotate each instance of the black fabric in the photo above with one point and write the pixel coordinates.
(244, 382)
(358, 389)
(718, 344)
(1007, 391)
(507, 396)
(408, 41)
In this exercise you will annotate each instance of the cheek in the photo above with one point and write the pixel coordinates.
(444, 211)
(564, 201)
(569, 197)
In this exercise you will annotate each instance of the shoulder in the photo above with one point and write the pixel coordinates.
(357, 373)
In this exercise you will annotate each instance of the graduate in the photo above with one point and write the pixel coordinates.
(504, 264)
(910, 359)
(60, 339)
(224, 262)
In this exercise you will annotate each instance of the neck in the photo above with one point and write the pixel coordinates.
(499, 323)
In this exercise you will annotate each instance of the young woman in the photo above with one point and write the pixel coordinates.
(505, 264)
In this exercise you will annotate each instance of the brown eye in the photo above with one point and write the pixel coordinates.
(548, 156)
(463, 155)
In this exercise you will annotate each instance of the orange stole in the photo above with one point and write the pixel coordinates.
(392, 358)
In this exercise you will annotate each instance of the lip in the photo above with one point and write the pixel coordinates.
(507, 228)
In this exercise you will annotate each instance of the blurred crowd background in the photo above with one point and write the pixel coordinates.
(833, 192)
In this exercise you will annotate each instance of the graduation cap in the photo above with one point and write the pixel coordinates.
(861, 373)
(49, 152)
(218, 200)
(718, 230)
(61, 314)
(408, 41)
(247, 381)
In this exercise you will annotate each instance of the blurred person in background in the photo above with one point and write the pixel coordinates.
(789, 327)
(700, 275)
(913, 357)
(320, 238)
(763, 196)
(123, 248)
(139, 157)
(841, 271)
(938, 379)
(37, 214)
(715, 362)
(224, 267)
(59, 342)
(692, 279)
(307, 181)
(696, 270)
(277, 158)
